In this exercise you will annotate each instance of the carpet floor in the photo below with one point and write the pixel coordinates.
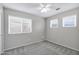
(41, 48)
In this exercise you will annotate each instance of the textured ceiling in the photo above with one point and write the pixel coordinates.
(32, 8)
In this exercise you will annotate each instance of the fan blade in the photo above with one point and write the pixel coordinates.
(48, 5)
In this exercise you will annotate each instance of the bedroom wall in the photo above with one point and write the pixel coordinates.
(68, 37)
(17, 40)
(1, 29)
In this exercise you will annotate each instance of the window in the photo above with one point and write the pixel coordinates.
(27, 26)
(69, 21)
(54, 23)
(19, 25)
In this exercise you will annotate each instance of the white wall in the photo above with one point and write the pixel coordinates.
(13, 41)
(0, 32)
(68, 37)
(1, 29)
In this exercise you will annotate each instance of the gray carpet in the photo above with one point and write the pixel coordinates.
(41, 48)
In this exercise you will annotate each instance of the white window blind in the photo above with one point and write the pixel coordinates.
(54, 23)
(19, 25)
(69, 21)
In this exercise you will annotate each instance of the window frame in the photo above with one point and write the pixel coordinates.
(51, 24)
(75, 21)
(30, 23)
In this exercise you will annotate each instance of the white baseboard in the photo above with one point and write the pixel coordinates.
(63, 45)
(23, 45)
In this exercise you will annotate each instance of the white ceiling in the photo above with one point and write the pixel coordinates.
(32, 8)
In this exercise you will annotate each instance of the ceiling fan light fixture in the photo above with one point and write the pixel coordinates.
(44, 10)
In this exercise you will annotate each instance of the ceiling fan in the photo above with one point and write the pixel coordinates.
(44, 7)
